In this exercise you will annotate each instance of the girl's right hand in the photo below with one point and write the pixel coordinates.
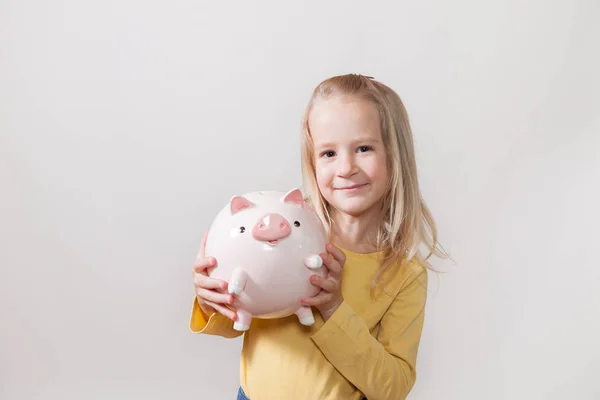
(211, 293)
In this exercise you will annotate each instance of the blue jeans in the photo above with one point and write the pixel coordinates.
(242, 396)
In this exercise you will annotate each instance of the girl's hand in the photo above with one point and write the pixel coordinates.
(208, 290)
(330, 297)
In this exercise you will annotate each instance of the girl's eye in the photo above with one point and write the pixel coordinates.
(364, 148)
(328, 153)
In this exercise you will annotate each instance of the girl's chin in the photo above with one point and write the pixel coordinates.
(354, 207)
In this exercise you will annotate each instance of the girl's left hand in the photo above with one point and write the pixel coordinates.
(330, 296)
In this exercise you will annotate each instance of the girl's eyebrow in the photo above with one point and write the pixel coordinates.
(354, 142)
(367, 140)
(324, 145)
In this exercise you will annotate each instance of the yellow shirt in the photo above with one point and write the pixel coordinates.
(367, 348)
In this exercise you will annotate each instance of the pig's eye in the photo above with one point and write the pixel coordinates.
(242, 229)
(296, 223)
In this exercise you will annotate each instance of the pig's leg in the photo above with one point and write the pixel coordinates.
(243, 320)
(237, 281)
(305, 316)
(313, 261)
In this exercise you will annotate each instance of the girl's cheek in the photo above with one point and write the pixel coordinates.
(321, 181)
(324, 186)
(319, 171)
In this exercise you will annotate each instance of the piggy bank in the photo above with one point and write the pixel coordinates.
(267, 245)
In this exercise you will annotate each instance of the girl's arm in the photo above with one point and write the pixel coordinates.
(381, 368)
(214, 324)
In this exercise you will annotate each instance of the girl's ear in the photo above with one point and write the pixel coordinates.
(294, 196)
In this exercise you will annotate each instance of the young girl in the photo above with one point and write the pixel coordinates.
(360, 175)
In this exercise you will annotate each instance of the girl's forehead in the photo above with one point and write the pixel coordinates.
(344, 120)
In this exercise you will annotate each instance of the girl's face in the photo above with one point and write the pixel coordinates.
(350, 159)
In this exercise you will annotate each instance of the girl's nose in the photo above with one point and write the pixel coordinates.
(347, 166)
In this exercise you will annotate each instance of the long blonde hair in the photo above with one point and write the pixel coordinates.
(407, 222)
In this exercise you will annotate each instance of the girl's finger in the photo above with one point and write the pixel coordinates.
(223, 310)
(203, 281)
(202, 246)
(215, 297)
(331, 263)
(338, 254)
(202, 264)
(321, 298)
(326, 284)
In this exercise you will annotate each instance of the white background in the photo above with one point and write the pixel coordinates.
(126, 125)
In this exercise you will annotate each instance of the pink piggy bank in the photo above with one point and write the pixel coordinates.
(267, 245)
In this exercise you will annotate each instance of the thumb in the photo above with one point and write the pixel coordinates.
(202, 246)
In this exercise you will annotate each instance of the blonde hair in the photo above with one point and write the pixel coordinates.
(407, 222)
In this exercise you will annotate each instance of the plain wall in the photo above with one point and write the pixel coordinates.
(125, 126)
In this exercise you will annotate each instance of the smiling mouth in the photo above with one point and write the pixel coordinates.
(352, 187)
(273, 242)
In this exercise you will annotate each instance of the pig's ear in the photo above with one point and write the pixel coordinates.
(239, 203)
(294, 196)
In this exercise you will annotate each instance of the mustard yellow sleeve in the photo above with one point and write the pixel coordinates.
(214, 324)
(381, 368)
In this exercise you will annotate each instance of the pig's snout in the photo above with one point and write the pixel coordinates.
(271, 228)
